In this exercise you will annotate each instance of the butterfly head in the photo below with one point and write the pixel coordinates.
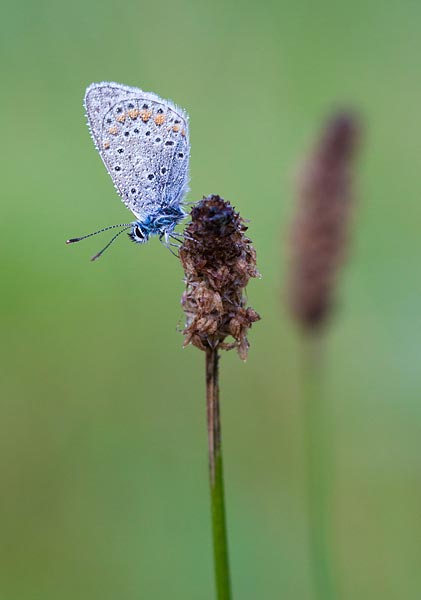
(138, 234)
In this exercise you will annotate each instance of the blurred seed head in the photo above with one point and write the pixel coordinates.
(218, 261)
(319, 233)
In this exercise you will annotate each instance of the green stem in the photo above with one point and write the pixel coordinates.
(220, 544)
(319, 466)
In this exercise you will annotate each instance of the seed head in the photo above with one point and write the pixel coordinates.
(218, 261)
(320, 229)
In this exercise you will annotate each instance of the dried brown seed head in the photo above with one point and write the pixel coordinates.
(218, 261)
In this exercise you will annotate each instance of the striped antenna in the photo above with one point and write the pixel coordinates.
(78, 239)
(110, 242)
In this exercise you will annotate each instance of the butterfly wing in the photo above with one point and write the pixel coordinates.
(144, 144)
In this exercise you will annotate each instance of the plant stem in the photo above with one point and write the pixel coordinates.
(319, 467)
(220, 544)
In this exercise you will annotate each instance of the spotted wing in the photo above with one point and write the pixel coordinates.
(144, 144)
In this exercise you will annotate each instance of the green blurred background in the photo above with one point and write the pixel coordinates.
(103, 455)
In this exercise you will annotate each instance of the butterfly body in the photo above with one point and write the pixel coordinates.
(162, 224)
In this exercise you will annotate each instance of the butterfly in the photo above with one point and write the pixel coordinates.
(143, 141)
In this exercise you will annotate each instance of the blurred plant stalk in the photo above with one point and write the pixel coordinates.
(218, 261)
(319, 240)
(319, 468)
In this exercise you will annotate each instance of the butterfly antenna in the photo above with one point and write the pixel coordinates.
(72, 240)
(110, 242)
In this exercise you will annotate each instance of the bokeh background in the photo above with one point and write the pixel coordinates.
(103, 457)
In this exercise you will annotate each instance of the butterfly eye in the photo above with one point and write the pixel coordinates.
(138, 233)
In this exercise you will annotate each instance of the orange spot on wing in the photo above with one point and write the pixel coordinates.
(159, 119)
(121, 118)
(133, 113)
(183, 133)
(113, 130)
(106, 145)
(176, 128)
(145, 115)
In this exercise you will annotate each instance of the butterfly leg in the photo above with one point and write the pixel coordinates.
(167, 243)
(183, 236)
